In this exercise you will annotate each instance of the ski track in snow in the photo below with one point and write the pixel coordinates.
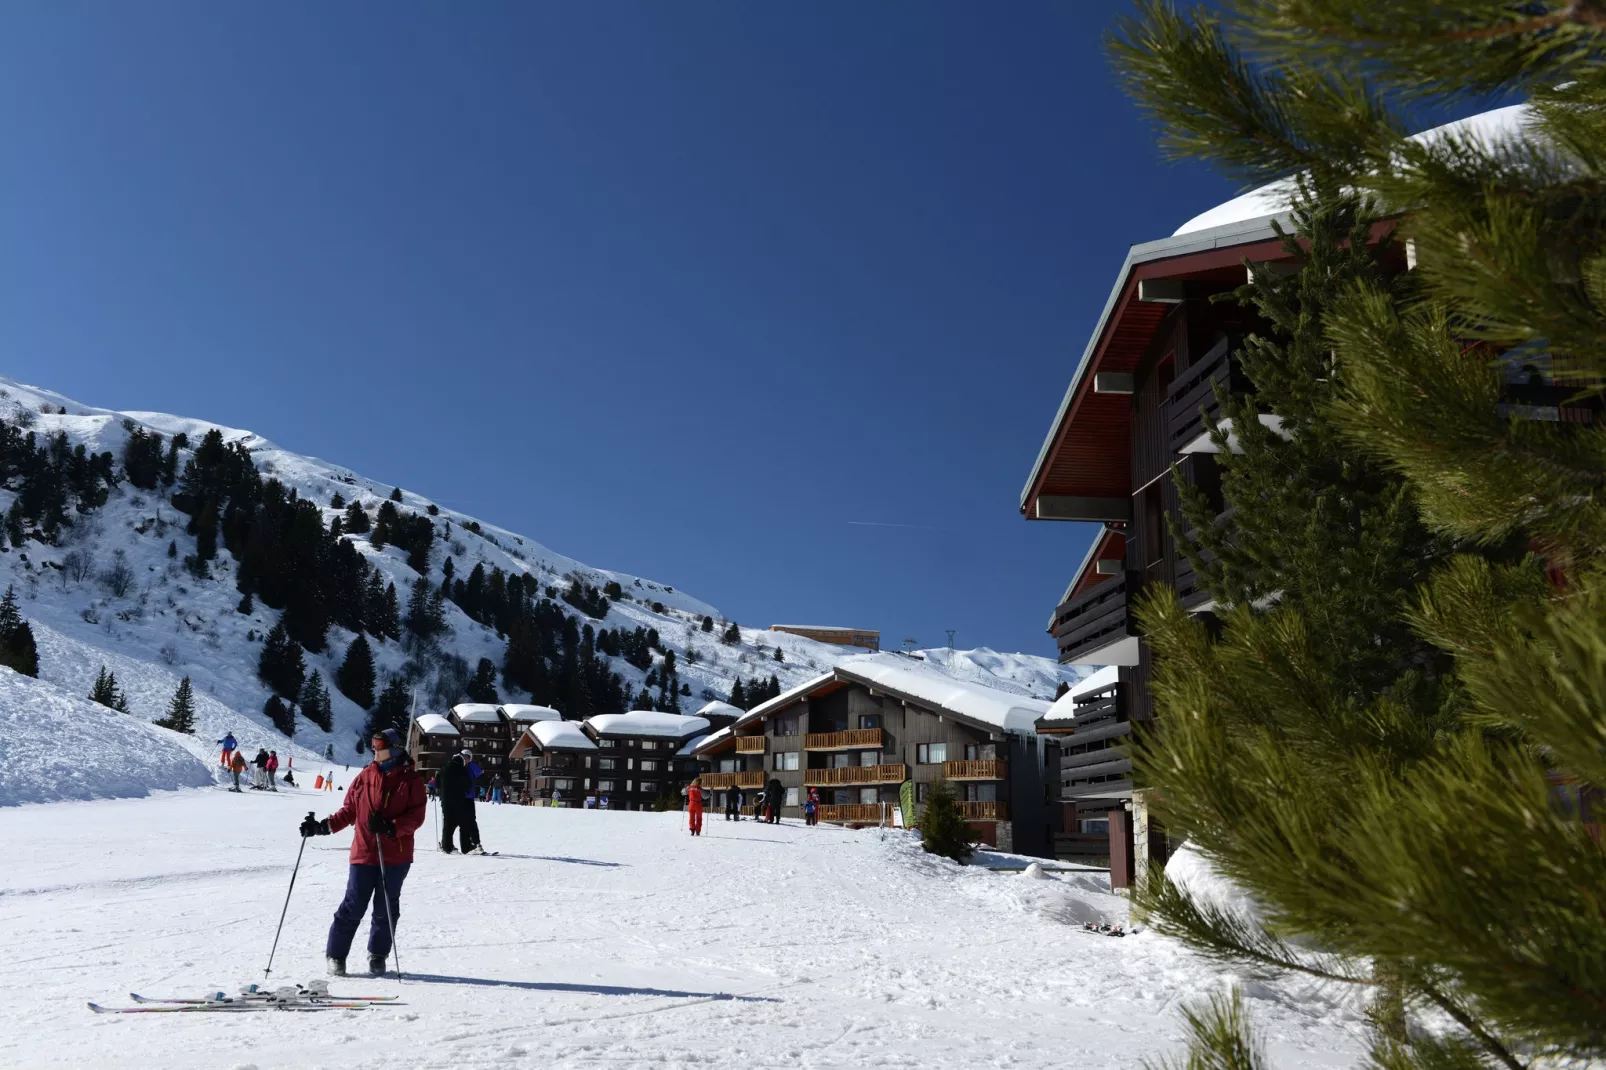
(596, 939)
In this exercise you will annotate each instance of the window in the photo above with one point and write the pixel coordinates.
(607, 744)
(981, 793)
(867, 797)
(786, 759)
(649, 787)
(563, 785)
(791, 797)
(648, 766)
(605, 785)
(1095, 826)
(607, 763)
(920, 792)
(869, 720)
(649, 744)
(730, 765)
(630, 763)
(931, 753)
(869, 757)
(630, 785)
(786, 725)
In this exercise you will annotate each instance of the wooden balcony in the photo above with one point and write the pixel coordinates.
(849, 775)
(725, 781)
(986, 769)
(854, 814)
(853, 739)
(751, 744)
(984, 811)
(1193, 393)
(1096, 620)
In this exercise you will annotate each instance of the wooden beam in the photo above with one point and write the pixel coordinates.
(1065, 507)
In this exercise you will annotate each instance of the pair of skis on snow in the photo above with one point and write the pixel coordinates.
(309, 997)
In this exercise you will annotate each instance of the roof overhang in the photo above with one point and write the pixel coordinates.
(1084, 462)
(877, 687)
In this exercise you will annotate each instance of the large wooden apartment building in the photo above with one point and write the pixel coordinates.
(486, 730)
(858, 732)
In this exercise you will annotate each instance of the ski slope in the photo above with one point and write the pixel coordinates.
(168, 624)
(596, 939)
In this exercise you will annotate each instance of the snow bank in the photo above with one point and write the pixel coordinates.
(56, 746)
(1191, 871)
(1064, 707)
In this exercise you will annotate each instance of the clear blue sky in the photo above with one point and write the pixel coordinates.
(707, 292)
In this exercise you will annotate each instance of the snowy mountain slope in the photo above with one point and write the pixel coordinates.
(55, 746)
(168, 624)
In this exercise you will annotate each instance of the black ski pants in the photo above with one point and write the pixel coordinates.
(458, 816)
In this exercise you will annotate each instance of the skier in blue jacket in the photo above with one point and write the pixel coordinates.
(228, 748)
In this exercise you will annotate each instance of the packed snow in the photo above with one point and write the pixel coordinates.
(1064, 707)
(477, 713)
(562, 735)
(55, 745)
(169, 624)
(433, 724)
(647, 723)
(595, 939)
(523, 713)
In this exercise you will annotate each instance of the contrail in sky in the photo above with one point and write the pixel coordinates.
(881, 524)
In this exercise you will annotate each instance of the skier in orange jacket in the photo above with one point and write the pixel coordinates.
(694, 806)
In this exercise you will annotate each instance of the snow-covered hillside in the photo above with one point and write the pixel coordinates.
(597, 939)
(166, 624)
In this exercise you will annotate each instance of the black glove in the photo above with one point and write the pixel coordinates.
(311, 826)
(381, 823)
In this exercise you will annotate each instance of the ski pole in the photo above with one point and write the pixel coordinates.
(286, 909)
(384, 894)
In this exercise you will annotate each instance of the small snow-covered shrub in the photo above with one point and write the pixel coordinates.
(169, 654)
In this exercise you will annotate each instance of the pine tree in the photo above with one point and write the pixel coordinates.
(105, 691)
(315, 704)
(1409, 811)
(247, 605)
(778, 655)
(181, 710)
(708, 624)
(172, 548)
(355, 678)
(17, 648)
(738, 695)
(732, 636)
(643, 700)
(391, 711)
(338, 501)
(280, 715)
(482, 687)
(357, 522)
(280, 664)
(396, 494)
(942, 827)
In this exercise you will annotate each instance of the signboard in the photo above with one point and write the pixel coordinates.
(906, 803)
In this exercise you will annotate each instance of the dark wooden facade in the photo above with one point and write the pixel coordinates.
(856, 744)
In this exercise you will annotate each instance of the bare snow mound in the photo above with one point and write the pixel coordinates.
(56, 746)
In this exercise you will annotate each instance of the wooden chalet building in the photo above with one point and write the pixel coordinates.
(558, 759)
(432, 740)
(519, 716)
(875, 721)
(639, 757)
(488, 731)
(825, 633)
(1135, 407)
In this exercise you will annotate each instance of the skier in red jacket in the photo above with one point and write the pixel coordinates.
(385, 806)
(694, 806)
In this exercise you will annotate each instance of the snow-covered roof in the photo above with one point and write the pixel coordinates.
(1064, 707)
(785, 698)
(717, 708)
(714, 739)
(647, 723)
(561, 735)
(433, 724)
(515, 711)
(691, 747)
(927, 686)
(1273, 198)
(477, 711)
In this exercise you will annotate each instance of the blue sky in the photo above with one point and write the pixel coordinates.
(770, 302)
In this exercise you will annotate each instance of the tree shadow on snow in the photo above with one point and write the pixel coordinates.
(600, 990)
(571, 861)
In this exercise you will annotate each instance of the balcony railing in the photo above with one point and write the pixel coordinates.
(984, 811)
(853, 739)
(976, 770)
(1097, 617)
(846, 775)
(725, 781)
(854, 813)
(751, 744)
(1193, 393)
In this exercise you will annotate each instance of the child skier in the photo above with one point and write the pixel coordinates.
(694, 806)
(811, 808)
(385, 806)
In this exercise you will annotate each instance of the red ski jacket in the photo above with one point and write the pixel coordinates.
(398, 795)
(694, 797)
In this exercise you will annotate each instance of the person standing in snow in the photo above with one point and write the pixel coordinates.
(237, 766)
(811, 808)
(260, 777)
(774, 794)
(732, 805)
(273, 770)
(228, 749)
(457, 803)
(385, 806)
(694, 806)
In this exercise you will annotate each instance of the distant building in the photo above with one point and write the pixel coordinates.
(639, 757)
(860, 731)
(860, 637)
(557, 758)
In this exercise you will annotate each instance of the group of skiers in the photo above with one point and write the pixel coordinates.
(266, 765)
(767, 803)
(455, 784)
